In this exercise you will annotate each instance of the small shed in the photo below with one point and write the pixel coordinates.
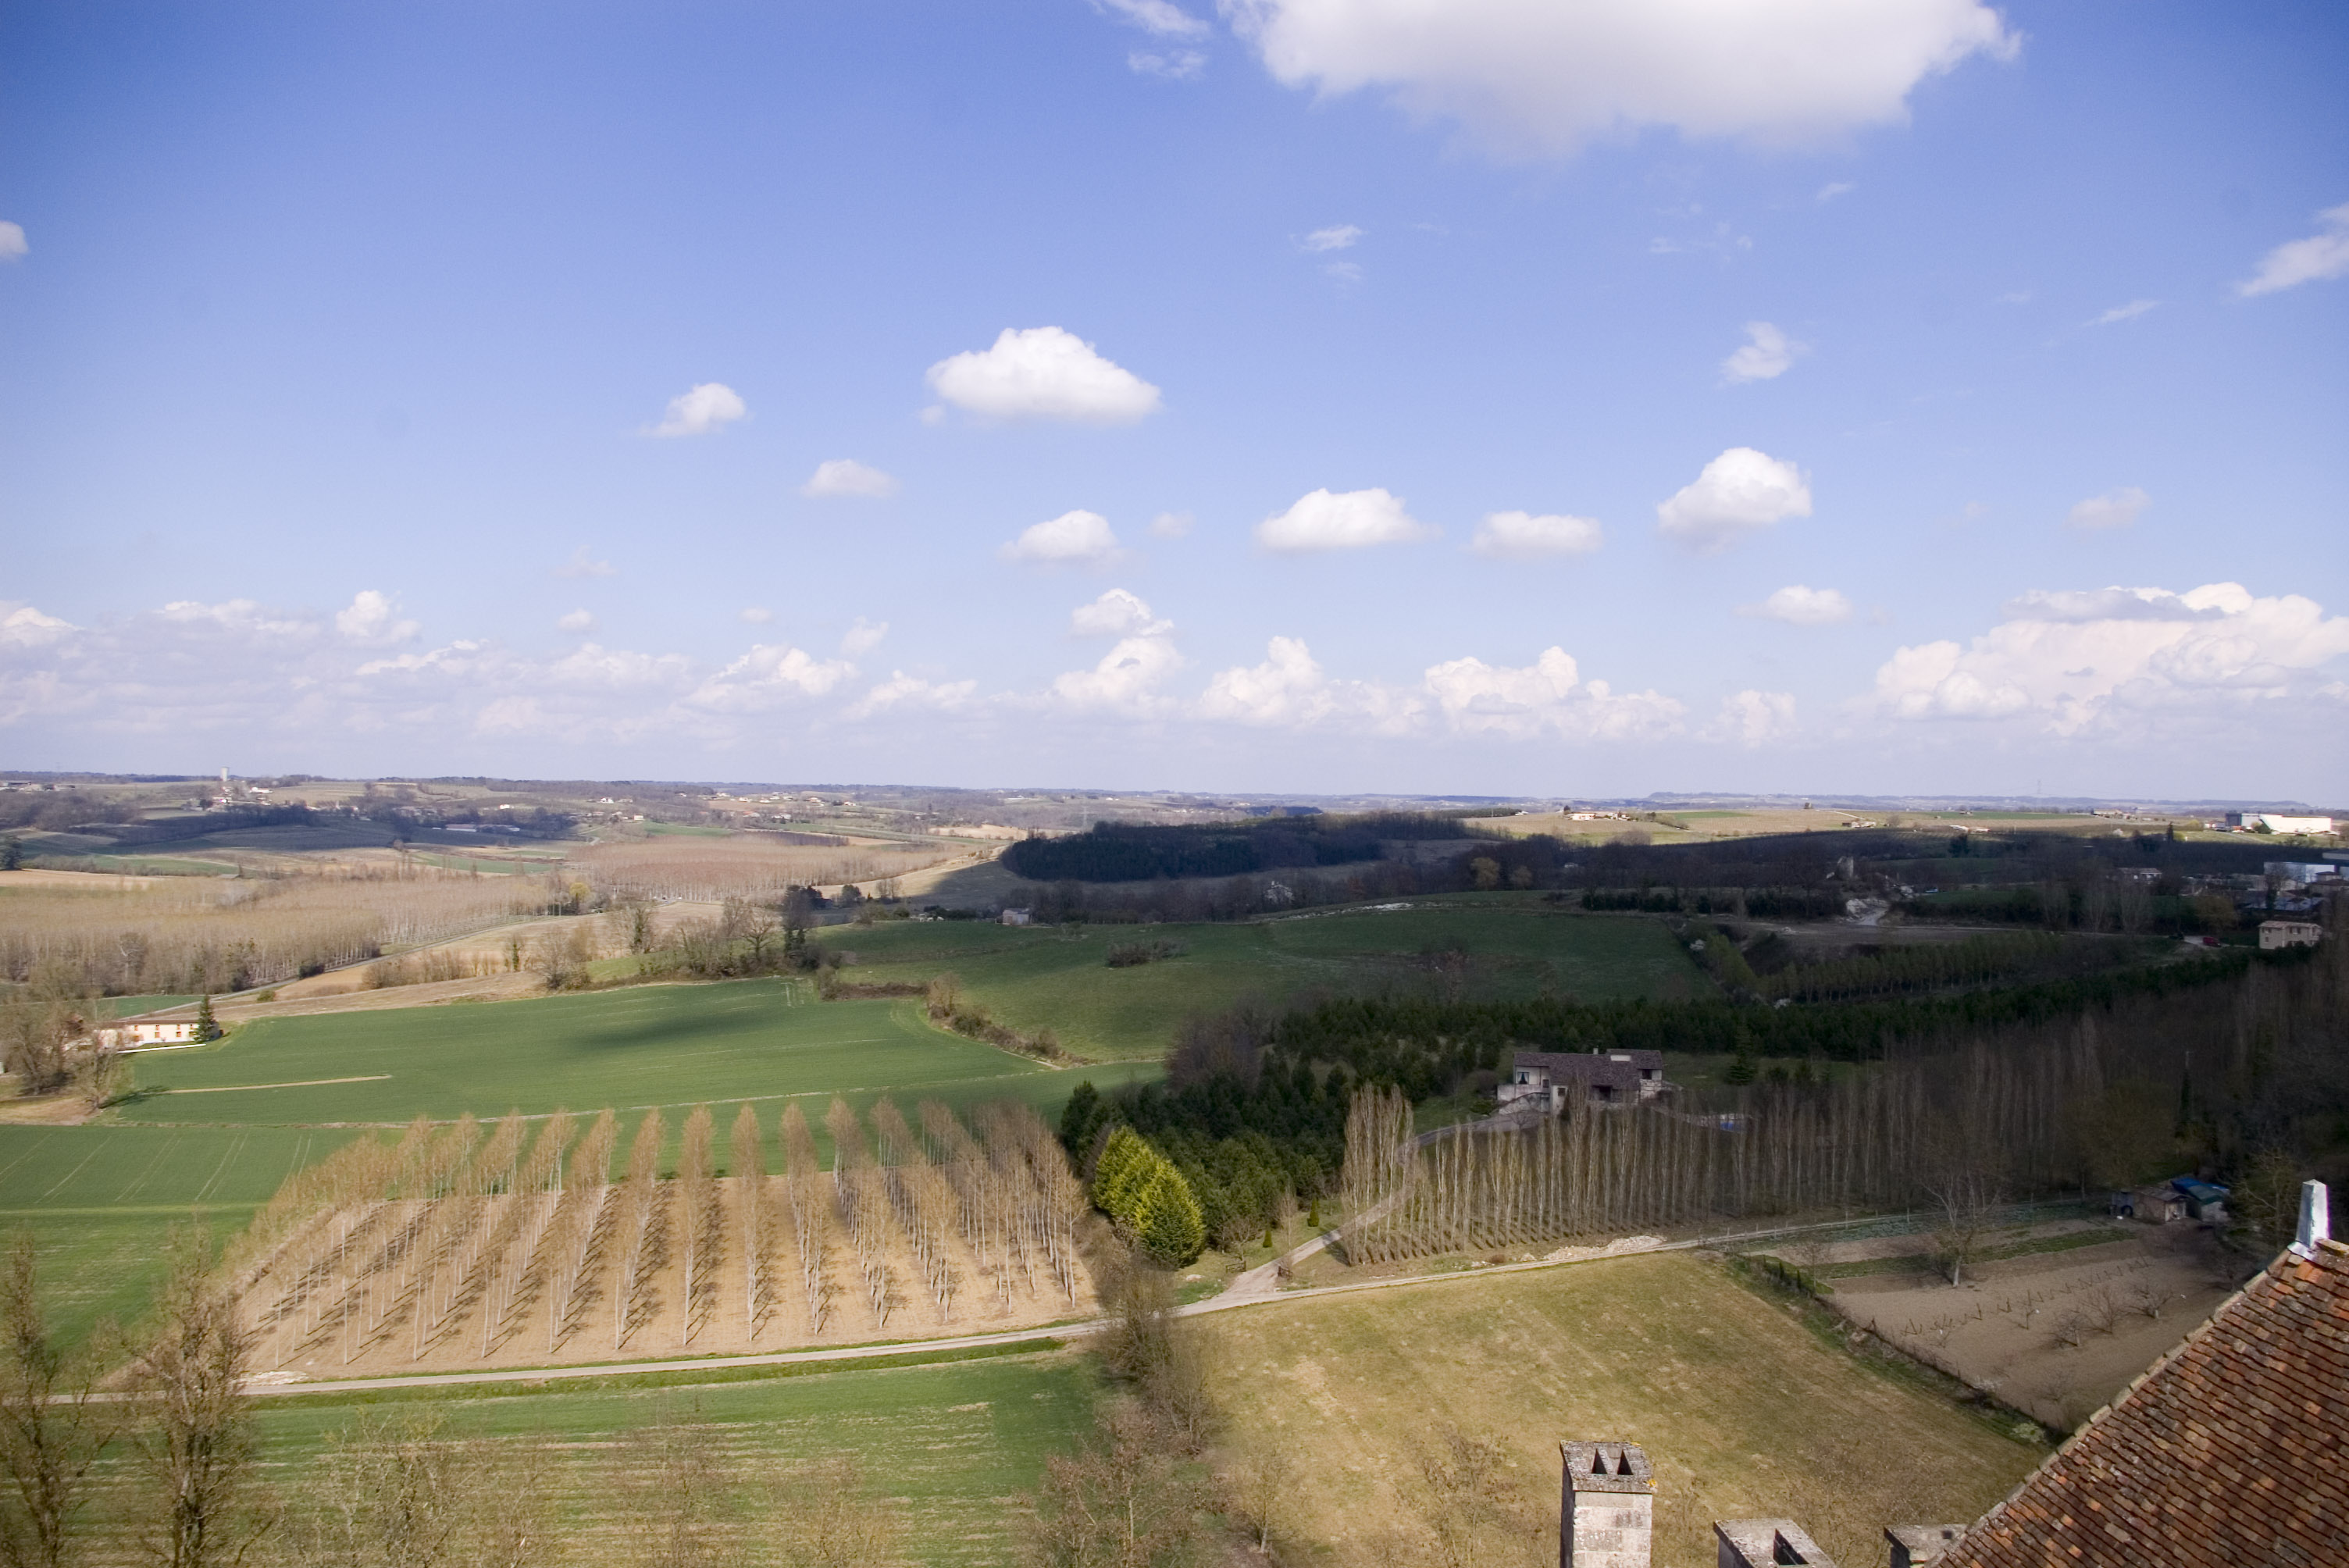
(2159, 1204)
(2204, 1200)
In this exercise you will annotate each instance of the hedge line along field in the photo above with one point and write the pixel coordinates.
(1490, 947)
(950, 1442)
(652, 1045)
(100, 1200)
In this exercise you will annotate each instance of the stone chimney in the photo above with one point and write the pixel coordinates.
(2315, 1218)
(1606, 1516)
(1763, 1542)
(1921, 1545)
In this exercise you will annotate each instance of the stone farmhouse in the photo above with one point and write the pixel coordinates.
(1553, 1079)
(2229, 1452)
(137, 1035)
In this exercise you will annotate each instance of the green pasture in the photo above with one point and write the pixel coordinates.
(674, 1046)
(100, 1201)
(950, 1443)
(1034, 978)
(131, 1006)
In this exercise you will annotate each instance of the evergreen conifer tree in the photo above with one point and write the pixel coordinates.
(207, 1026)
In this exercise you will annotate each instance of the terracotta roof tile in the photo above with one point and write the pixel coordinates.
(2232, 1450)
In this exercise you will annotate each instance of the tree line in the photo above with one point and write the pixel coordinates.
(1127, 851)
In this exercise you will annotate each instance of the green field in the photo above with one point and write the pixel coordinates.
(100, 1200)
(653, 1045)
(1034, 978)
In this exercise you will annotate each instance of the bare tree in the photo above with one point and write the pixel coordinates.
(1262, 1484)
(1124, 1504)
(825, 1518)
(677, 1496)
(1968, 1200)
(51, 1430)
(194, 1432)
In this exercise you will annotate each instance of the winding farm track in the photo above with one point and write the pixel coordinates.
(1232, 1299)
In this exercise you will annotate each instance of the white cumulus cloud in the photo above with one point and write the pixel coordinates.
(1739, 491)
(1175, 65)
(1043, 373)
(903, 692)
(1126, 681)
(847, 476)
(12, 241)
(22, 627)
(2321, 255)
(1077, 538)
(2129, 312)
(1348, 519)
(1766, 355)
(1527, 536)
(864, 636)
(1800, 606)
(1171, 525)
(707, 408)
(2113, 509)
(768, 677)
(372, 620)
(1338, 237)
(582, 563)
(1543, 77)
(756, 615)
(2129, 661)
(1755, 717)
(1116, 613)
(579, 623)
(1291, 690)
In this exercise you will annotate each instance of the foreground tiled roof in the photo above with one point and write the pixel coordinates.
(2233, 1450)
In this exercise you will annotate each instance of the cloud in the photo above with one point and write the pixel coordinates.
(863, 637)
(2113, 509)
(2122, 661)
(1043, 373)
(22, 626)
(1171, 525)
(583, 565)
(769, 676)
(1073, 539)
(1739, 491)
(1536, 78)
(1344, 272)
(1524, 536)
(1834, 189)
(12, 242)
(756, 615)
(579, 623)
(1463, 697)
(2129, 312)
(847, 476)
(1766, 355)
(1350, 519)
(1342, 237)
(1156, 16)
(372, 621)
(1180, 66)
(902, 691)
(707, 408)
(1116, 613)
(1801, 606)
(1754, 718)
(1127, 679)
(2319, 257)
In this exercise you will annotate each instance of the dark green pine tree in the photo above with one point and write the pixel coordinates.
(207, 1026)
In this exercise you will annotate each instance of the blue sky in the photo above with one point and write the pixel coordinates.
(1491, 396)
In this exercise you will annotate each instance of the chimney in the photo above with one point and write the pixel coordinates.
(1606, 1516)
(1765, 1542)
(2315, 1218)
(1921, 1545)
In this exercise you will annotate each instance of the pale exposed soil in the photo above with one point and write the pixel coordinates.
(30, 877)
(2004, 1331)
(414, 1317)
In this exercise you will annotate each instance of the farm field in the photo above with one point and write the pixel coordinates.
(950, 1443)
(654, 1045)
(100, 1201)
(1743, 1412)
(1033, 978)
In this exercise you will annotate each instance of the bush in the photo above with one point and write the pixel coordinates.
(1141, 1189)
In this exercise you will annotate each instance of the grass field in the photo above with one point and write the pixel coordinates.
(100, 1200)
(654, 1045)
(1742, 1410)
(1034, 978)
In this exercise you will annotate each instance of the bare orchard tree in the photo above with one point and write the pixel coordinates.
(1966, 1199)
(52, 1429)
(824, 1518)
(193, 1430)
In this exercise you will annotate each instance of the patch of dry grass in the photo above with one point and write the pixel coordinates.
(1743, 1412)
(742, 866)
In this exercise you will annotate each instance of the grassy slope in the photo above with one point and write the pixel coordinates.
(1742, 1410)
(953, 1443)
(1033, 979)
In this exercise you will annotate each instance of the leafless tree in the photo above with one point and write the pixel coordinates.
(193, 1429)
(1125, 1503)
(677, 1496)
(1967, 1200)
(823, 1518)
(52, 1431)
